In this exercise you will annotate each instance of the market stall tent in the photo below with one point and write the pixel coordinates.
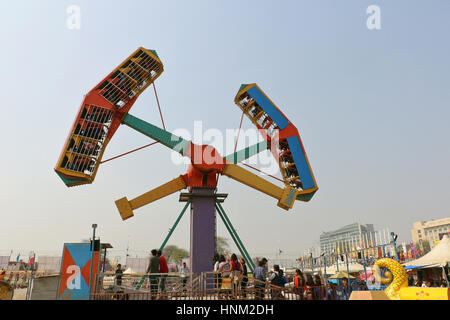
(439, 256)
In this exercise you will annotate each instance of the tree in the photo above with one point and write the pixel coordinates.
(179, 255)
(222, 245)
(175, 254)
(426, 246)
(169, 250)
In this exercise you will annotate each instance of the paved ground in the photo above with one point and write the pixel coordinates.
(20, 294)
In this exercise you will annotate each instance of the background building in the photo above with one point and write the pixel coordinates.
(347, 237)
(430, 230)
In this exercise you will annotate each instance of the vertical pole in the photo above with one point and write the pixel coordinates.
(94, 226)
(337, 263)
(202, 233)
(395, 245)
(325, 269)
(348, 269)
(30, 282)
(104, 260)
(364, 264)
(444, 277)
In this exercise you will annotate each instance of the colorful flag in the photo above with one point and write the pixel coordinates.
(18, 256)
(413, 254)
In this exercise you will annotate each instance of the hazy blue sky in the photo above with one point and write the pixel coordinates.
(372, 108)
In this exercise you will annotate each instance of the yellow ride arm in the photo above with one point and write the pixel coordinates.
(126, 207)
(286, 197)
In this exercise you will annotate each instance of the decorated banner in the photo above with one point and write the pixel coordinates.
(75, 271)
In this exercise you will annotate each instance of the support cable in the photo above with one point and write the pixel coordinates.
(262, 172)
(123, 154)
(239, 131)
(159, 107)
(147, 145)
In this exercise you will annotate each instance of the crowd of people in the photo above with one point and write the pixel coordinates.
(311, 288)
(232, 281)
(157, 271)
(427, 283)
(230, 275)
(232, 278)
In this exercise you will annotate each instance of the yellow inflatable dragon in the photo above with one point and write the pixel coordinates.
(396, 276)
(398, 288)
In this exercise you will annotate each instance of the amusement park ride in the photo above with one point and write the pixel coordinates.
(106, 107)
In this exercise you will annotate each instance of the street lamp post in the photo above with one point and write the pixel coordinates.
(94, 226)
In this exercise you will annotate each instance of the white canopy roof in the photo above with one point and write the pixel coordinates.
(129, 271)
(353, 267)
(439, 256)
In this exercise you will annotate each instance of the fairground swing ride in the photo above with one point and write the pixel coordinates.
(107, 106)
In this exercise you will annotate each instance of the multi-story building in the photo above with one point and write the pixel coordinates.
(347, 237)
(430, 230)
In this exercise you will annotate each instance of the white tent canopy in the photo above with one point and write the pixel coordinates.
(439, 256)
(353, 267)
(129, 271)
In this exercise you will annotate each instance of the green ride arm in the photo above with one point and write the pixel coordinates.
(180, 145)
(246, 153)
(162, 136)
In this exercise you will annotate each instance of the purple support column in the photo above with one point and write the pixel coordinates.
(203, 220)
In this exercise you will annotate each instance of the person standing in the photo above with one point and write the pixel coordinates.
(236, 273)
(309, 291)
(346, 289)
(225, 271)
(219, 273)
(152, 269)
(119, 273)
(184, 275)
(299, 283)
(330, 292)
(164, 269)
(216, 261)
(318, 289)
(244, 280)
(275, 279)
(260, 280)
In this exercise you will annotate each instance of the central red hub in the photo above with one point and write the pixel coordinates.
(206, 163)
